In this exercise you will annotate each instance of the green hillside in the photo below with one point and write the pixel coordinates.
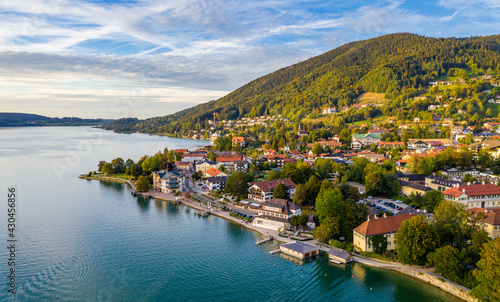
(398, 65)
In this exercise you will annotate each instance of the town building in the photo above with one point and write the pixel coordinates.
(458, 174)
(205, 165)
(299, 250)
(238, 139)
(263, 190)
(184, 166)
(490, 220)
(228, 161)
(278, 159)
(477, 195)
(439, 183)
(193, 157)
(275, 214)
(166, 182)
(339, 256)
(361, 140)
(386, 226)
(214, 172)
(217, 183)
(408, 188)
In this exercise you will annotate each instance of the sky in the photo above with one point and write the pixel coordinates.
(114, 59)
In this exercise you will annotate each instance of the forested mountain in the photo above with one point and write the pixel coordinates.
(10, 119)
(399, 65)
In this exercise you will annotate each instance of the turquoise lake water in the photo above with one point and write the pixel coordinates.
(81, 240)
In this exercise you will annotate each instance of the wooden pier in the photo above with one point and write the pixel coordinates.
(275, 251)
(268, 238)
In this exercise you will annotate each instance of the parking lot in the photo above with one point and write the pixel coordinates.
(386, 205)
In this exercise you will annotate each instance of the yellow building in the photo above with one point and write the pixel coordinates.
(374, 226)
(477, 195)
(491, 220)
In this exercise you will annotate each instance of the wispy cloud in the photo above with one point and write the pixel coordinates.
(192, 50)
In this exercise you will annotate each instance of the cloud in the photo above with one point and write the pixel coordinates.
(193, 50)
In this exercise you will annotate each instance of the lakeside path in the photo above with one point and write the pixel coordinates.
(421, 273)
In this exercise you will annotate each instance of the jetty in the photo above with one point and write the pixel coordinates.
(275, 251)
(201, 213)
(268, 238)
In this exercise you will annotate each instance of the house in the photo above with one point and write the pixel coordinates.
(217, 183)
(477, 195)
(205, 165)
(435, 182)
(409, 188)
(391, 145)
(263, 190)
(166, 182)
(458, 174)
(339, 256)
(329, 110)
(491, 145)
(228, 161)
(490, 220)
(214, 172)
(193, 157)
(386, 226)
(299, 250)
(240, 165)
(361, 140)
(278, 159)
(184, 166)
(275, 214)
(215, 136)
(238, 139)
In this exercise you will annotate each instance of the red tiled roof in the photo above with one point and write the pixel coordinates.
(473, 190)
(213, 172)
(491, 218)
(229, 158)
(238, 139)
(382, 225)
(267, 186)
(275, 156)
(392, 143)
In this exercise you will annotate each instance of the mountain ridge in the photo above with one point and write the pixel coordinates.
(399, 65)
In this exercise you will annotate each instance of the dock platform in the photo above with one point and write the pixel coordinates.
(268, 238)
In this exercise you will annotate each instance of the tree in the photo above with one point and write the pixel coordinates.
(237, 184)
(280, 191)
(449, 263)
(303, 220)
(487, 273)
(187, 195)
(322, 233)
(300, 196)
(100, 165)
(379, 243)
(211, 156)
(107, 168)
(415, 239)
(432, 199)
(317, 149)
(222, 168)
(118, 165)
(312, 188)
(142, 183)
(294, 221)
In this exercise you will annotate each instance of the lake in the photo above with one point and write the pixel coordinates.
(83, 240)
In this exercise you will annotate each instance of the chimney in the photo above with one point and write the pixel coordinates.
(385, 215)
(483, 183)
(463, 190)
(468, 183)
(376, 217)
(369, 218)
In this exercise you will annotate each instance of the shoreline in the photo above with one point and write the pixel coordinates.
(417, 273)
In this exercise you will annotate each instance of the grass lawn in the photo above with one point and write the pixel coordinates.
(363, 122)
(372, 98)
(493, 107)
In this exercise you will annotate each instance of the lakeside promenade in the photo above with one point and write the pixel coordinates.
(421, 273)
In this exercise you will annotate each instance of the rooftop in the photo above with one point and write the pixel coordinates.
(300, 247)
(382, 225)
